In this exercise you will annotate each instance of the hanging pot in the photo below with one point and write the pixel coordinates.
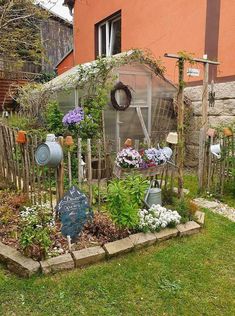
(128, 142)
(49, 154)
(21, 137)
(172, 138)
(228, 132)
(216, 150)
(69, 141)
(211, 132)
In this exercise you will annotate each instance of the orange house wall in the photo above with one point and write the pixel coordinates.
(160, 26)
(66, 64)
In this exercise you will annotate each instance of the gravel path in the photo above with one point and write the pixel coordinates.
(217, 207)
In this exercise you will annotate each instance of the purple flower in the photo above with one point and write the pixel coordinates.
(73, 117)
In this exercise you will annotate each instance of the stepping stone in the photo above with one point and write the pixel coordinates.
(87, 256)
(205, 203)
(166, 233)
(60, 263)
(118, 247)
(188, 228)
(142, 239)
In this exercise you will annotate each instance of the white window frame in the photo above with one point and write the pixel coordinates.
(109, 23)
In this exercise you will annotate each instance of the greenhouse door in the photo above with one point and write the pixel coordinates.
(135, 122)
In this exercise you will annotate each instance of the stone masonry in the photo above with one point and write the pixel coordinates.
(223, 113)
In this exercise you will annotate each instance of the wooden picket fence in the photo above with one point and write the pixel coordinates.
(47, 185)
(219, 171)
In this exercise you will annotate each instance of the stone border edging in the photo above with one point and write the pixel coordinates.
(26, 267)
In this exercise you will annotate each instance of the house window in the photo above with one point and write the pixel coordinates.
(108, 36)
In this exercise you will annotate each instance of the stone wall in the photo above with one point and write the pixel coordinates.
(223, 113)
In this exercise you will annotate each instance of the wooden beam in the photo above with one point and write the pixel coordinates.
(200, 60)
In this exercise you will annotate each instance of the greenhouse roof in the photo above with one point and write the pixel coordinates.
(99, 70)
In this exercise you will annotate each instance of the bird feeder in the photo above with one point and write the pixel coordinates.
(172, 138)
(128, 142)
(21, 137)
(49, 154)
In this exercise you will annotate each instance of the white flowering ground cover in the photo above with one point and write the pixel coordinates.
(157, 217)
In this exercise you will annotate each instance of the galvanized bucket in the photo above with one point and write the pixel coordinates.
(49, 154)
(154, 194)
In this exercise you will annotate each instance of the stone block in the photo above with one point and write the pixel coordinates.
(18, 263)
(87, 256)
(200, 217)
(60, 263)
(188, 228)
(142, 239)
(166, 233)
(118, 247)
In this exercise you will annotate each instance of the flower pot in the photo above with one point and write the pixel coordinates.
(128, 142)
(21, 137)
(228, 132)
(211, 132)
(69, 141)
(172, 138)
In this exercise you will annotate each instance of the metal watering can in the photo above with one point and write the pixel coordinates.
(153, 194)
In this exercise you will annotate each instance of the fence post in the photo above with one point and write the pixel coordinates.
(89, 169)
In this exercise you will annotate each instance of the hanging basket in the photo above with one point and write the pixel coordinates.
(117, 87)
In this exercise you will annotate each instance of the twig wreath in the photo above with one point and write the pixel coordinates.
(117, 87)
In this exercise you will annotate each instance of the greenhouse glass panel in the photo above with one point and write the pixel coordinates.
(66, 100)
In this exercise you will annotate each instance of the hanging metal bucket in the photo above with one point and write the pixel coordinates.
(49, 154)
(153, 195)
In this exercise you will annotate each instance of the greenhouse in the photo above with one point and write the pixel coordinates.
(140, 102)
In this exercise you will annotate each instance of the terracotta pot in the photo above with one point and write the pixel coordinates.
(21, 137)
(172, 138)
(69, 141)
(128, 142)
(228, 131)
(211, 132)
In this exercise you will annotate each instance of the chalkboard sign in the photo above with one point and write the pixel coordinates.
(74, 212)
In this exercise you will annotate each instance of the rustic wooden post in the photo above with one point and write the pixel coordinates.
(60, 173)
(89, 169)
(99, 171)
(180, 128)
(79, 154)
(69, 167)
(203, 129)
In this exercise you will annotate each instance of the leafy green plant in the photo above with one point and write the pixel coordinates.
(53, 118)
(186, 209)
(125, 198)
(36, 225)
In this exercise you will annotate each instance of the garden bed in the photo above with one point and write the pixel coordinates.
(26, 267)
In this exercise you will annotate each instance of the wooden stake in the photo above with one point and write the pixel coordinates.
(89, 169)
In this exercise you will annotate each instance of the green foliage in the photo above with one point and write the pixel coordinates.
(19, 33)
(125, 198)
(185, 209)
(36, 225)
(45, 77)
(21, 122)
(53, 118)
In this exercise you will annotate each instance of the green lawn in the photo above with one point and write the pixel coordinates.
(189, 276)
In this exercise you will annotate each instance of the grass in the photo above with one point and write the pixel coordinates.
(187, 276)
